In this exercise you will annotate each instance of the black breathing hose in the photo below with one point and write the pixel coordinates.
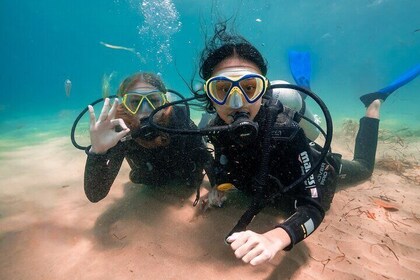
(83, 112)
(274, 108)
(257, 204)
(215, 130)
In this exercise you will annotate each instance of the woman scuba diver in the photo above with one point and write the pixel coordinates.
(272, 160)
(122, 131)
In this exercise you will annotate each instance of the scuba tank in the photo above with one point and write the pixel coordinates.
(293, 99)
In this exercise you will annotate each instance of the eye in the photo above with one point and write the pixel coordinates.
(156, 100)
(223, 87)
(249, 86)
(133, 101)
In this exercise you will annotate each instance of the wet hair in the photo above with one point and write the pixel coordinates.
(224, 45)
(148, 78)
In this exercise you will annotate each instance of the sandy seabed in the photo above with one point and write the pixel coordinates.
(49, 230)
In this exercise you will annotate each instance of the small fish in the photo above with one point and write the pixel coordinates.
(132, 50)
(417, 30)
(115, 47)
(67, 87)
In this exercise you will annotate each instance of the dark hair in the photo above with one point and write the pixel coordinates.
(149, 78)
(223, 45)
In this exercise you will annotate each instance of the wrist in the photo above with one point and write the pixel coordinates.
(96, 151)
(279, 237)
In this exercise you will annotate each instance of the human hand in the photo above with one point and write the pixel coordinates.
(102, 132)
(255, 248)
(213, 198)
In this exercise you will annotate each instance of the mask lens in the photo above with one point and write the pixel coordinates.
(156, 99)
(132, 102)
(252, 87)
(219, 89)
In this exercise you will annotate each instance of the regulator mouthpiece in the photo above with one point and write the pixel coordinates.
(144, 132)
(243, 130)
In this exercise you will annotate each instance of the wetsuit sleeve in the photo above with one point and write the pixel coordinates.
(307, 217)
(308, 212)
(101, 171)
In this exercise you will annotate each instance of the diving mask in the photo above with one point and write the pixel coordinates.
(133, 100)
(251, 85)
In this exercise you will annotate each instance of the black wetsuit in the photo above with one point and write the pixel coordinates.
(363, 163)
(289, 160)
(182, 160)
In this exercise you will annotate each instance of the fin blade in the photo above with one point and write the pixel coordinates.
(300, 66)
(402, 80)
(383, 93)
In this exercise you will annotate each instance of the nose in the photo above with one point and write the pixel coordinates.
(145, 108)
(235, 99)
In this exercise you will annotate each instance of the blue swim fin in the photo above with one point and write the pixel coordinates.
(386, 91)
(300, 66)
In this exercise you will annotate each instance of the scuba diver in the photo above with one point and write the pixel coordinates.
(270, 158)
(122, 131)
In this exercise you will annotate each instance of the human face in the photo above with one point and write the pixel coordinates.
(142, 98)
(233, 86)
(229, 66)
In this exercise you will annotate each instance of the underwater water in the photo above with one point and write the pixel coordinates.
(356, 47)
(55, 56)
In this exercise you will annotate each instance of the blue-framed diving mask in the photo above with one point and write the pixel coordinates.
(230, 88)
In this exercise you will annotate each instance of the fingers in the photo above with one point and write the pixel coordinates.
(113, 110)
(249, 247)
(92, 116)
(104, 113)
(120, 122)
(261, 258)
(124, 129)
(232, 238)
(243, 245)
(256, 253)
